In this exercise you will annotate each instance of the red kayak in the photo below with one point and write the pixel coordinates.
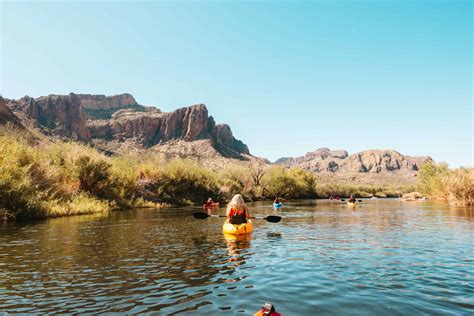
(210, 205)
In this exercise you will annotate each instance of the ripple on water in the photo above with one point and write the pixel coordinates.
(385, 258)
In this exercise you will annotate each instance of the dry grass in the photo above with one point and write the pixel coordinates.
(438, 181)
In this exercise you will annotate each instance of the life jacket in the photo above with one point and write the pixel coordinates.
(261, 313)
(237, 217)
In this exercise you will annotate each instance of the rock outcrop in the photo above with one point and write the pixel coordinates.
(118, 119)
(60, 114)
(382, 161)
(369, 161)
(151, 128)
(104, 107)
(319, 160)
(7, 116)
(102, 102)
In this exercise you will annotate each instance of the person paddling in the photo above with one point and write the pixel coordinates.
(209, 202)
(277, 200)
(352, 199)
(267, 310)
(237, 211)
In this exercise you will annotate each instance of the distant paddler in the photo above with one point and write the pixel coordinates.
(210, 203)
(277, 203)
(352, 200)
(267, 310)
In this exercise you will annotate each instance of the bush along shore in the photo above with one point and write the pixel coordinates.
(41, 179)
(453, 185)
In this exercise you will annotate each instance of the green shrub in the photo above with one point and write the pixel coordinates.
(293, 183)
(238, 180)
(431, 179)
(439, 181)
(182, 182)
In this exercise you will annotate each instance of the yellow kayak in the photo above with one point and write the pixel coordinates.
(239, 229)
(351, 204)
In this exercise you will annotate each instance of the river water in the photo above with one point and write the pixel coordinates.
(386, 257)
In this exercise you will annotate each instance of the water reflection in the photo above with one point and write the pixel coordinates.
(387, 257)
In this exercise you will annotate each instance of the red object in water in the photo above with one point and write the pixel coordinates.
(209, 205)
(262, 313)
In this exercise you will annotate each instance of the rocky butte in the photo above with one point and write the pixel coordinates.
(119, 122)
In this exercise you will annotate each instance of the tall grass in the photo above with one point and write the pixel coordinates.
(43, 179)
(180, 182)
(438, 181)
(40, 182)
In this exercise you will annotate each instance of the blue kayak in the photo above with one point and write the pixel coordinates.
(277, 205)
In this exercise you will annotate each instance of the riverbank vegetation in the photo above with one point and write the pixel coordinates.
(40, 178)
(454, 185)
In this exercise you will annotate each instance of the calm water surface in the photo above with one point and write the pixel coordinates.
(384, 258)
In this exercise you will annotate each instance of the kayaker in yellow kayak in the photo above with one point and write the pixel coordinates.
(237, 211)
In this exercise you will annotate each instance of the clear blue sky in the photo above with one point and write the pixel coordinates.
(288, 77)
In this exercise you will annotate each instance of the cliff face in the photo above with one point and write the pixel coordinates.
(151, 128)
(61, 114)
(324, 160)
(120, 119)
(7, 116)
(104, 107)
(102, 102)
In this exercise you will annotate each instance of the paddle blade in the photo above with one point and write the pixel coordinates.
(200, 215)
(273, 218)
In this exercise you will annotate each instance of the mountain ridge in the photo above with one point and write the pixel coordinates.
(118, 118)
(119, 124)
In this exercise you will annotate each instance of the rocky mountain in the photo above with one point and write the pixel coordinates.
(117, 120)
(103, 107)
(338, 164)
(57, 114)
(324, 160)
(118, 124)
(7, 116)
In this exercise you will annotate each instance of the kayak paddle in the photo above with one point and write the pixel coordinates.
(270, 218)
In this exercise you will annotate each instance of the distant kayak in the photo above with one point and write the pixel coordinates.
(277, 205)
(209, 205)
(237, 229)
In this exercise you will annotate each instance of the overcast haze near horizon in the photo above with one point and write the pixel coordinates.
(288, 77)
